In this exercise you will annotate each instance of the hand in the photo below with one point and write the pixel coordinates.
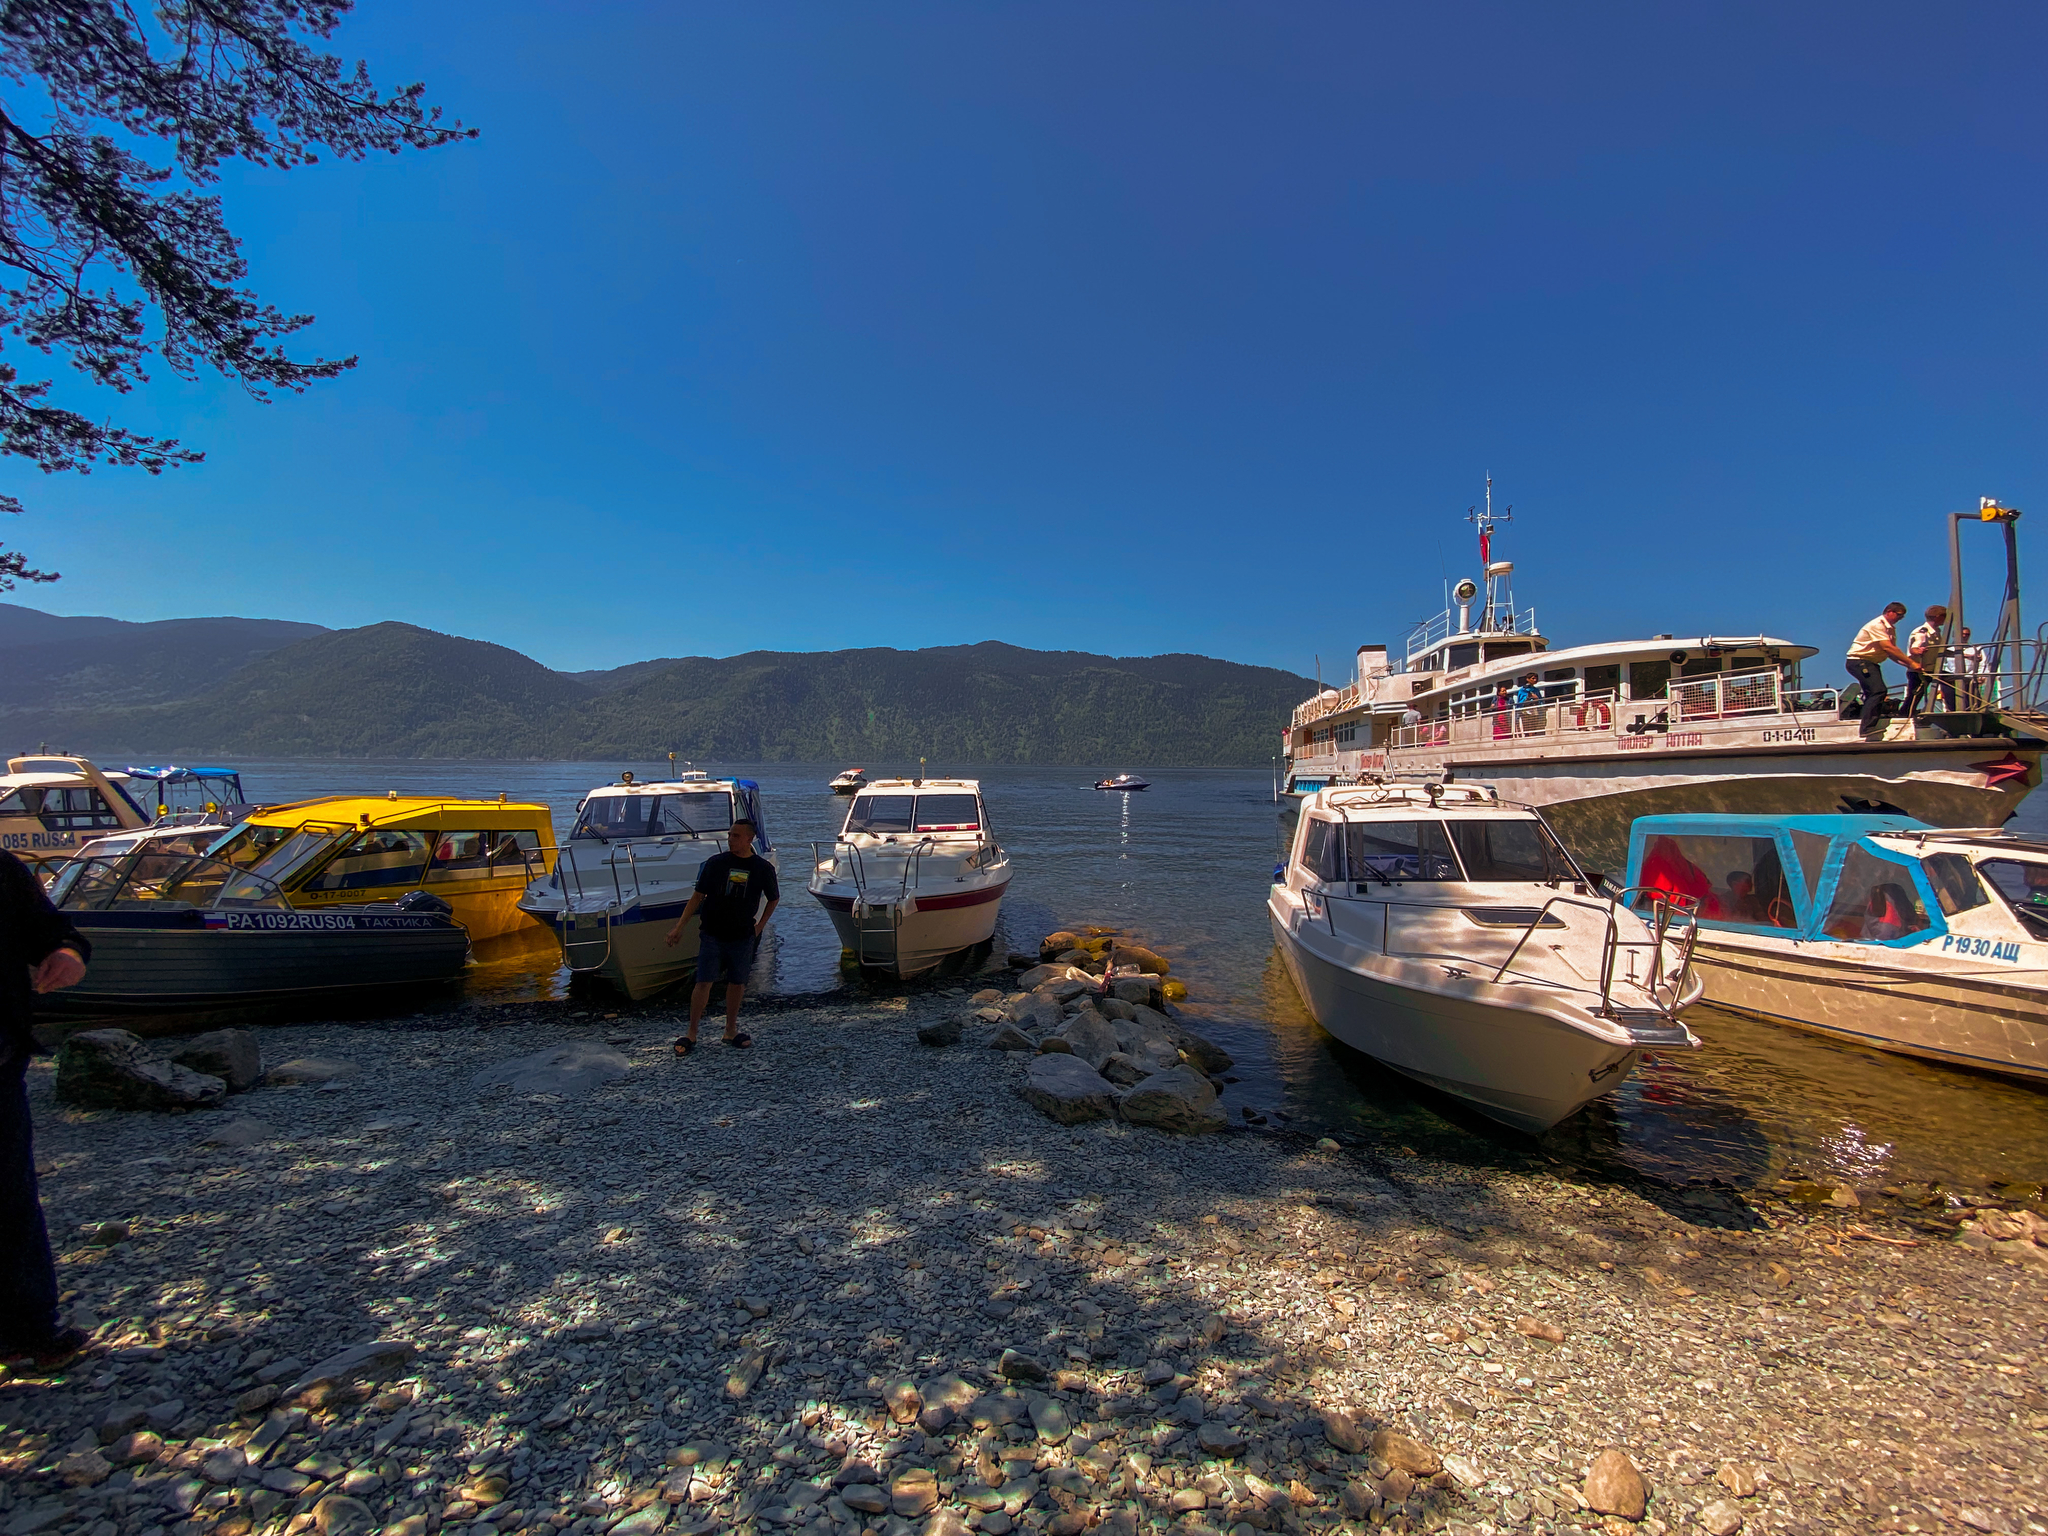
(675, 936)
(761, 927)
(61, 968)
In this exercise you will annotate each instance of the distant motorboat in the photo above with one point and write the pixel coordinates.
(1124, 781)
(851, 782)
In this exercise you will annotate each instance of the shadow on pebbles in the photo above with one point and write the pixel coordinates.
(846, 1283)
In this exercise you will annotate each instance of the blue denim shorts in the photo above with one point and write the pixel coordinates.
(726, 959)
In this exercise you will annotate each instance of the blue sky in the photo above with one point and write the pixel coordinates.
(1128, 328)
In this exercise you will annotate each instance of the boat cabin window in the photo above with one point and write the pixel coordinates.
(1603, 680)
(2024, 887)
(1510, 850)
(382, 856)
(1875, 900)
(1955, 883)
(1699, 666)
(62, 808)
(1734, 879)
(1387, 851)
(1647, 679)
(613, 817)
(1464, 656)
(276, 853)
(918, 813)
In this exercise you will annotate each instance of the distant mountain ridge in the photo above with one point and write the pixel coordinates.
(395, 690)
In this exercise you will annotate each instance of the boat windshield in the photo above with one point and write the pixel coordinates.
(1510, 850)
(275, 853)
(914, 813)
(154, 877)
(2024, 885)
(609, 818)
(1480, 852)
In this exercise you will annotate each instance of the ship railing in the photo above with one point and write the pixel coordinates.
(1506, 621)
(1972, 678)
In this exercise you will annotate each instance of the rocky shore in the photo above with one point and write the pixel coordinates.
(522, 1270)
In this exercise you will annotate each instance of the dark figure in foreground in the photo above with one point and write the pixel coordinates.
(730, 888)
(1874, 642)
(39, 952)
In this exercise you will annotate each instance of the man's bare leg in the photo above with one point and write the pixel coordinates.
(700, 999)
(734, 991)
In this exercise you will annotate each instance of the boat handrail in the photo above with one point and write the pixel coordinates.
(1685, 701)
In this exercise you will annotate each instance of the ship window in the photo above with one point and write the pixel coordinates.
(880, 813)
(18, 803)
(2025, 888)
(1510, 850)
(1602, 680)
(1734, 879)
(1464, 656)
(380, 857)
(1647, 679)
(1875, 900)
(1560, 674)
(1956, 886)
(1387, 851)
(1319, 852)
(67, 809)
(1699, 666)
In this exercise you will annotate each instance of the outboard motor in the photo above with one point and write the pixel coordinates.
(424, 901)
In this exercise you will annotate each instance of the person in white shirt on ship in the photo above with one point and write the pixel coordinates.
(1874, 642)
(1924, 646)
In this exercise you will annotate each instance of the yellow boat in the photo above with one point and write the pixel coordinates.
(344, 850)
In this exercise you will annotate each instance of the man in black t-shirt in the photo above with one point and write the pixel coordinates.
(730, 889)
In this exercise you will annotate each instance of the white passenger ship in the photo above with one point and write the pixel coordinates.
(1632, 728)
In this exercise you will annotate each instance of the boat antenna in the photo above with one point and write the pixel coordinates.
(1484, 521)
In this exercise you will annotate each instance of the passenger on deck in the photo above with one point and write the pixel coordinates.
(1890, 915)
(1501, 707)
(1666, 868)
(1741, 905)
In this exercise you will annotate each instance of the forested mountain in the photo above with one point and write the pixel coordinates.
(50, 663)
(393, 690)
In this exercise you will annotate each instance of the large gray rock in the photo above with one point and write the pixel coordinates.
(945, 1031)
(1068, 1090)
(569, 1069)
(1203, 1052)
(1136, 989)
(1116, 1008)
(1179, 1099)
(1065, 989)
(106, 1069)
(1011, 1038)
(232, 1055)
(1035, 1012)
(1125, 1071)
(1091, 1037)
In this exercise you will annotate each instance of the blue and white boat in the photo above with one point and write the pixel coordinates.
(1880, 930)
(627, 871)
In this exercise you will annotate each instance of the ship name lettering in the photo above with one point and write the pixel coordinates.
(1651, 742)
(1993, 949)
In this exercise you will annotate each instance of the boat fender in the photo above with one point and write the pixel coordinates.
(1279, 873)
(424, 901)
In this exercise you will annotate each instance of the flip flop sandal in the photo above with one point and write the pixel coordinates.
(741, 1040)
(685, 1045)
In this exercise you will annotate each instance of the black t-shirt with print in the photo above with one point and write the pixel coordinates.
(733, 889)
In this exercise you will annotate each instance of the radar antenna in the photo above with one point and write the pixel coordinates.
(1500, 600)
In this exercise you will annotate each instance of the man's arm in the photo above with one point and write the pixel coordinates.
(766, 913)
(675, 934)
(55, 950)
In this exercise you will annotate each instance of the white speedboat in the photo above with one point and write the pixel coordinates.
(915, 875)
(1124, 781)
(52, 804)
(849, 782)
(627, 872)
(1452, 938)
(1878, 930)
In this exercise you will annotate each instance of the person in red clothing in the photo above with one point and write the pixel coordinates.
(39, 952)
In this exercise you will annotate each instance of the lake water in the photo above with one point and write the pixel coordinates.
(1184, 867)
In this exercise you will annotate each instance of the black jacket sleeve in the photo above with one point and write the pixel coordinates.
(30, 929)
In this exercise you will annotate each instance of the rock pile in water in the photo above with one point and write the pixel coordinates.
(1103, 1045)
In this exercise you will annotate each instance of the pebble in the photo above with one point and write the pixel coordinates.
(1614, 1485)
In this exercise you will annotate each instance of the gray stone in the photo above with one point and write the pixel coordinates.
(1089, 1036)
(946, 1031)
(1065, 989)
(865, 1497)
(1179, 1099)
(1068, 1090)
(1116, 1010)
(1723, 1517)
(379, 1360)
(1131, 990)
(1343, 1431)
(1036, 1012)
(1039, 975)
(572, 1068)
(1019, 1367)
(1219, 1439)
(648, 1520)
(1011, 1038)
(232, 1055)
(1050, 1419)
(338, 1513)
(310, 1069)
(238, 1132)
(1125, 1071)
(106, 1069)
(118, 1418)
(1055, 1045)
(1204, 1053)
(164, 1416)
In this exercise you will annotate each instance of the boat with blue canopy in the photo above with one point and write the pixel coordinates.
(1881, 930)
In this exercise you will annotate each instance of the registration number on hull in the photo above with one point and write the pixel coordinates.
(1989, 949)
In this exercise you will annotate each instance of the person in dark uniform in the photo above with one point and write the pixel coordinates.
(39, 952)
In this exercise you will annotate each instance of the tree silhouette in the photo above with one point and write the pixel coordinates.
(99, 236)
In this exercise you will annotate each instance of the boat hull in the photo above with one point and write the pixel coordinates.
(885, 938)
(486, 909)
(155, 969)
(630, 949)
(1987, 1023)
(1516, 1065)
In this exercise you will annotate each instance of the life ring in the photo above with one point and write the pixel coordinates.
(1601, 715)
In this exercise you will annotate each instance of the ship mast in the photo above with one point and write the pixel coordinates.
(1499, 597)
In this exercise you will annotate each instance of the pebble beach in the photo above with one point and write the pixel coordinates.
(848, 1284)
